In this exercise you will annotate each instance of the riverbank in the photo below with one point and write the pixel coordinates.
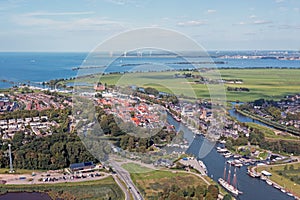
(268, 122)
(284, 176)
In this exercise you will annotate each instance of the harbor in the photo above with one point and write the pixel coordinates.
(203, 149)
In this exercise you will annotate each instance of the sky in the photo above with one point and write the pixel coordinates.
(80, 25)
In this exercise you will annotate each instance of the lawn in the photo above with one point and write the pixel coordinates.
(135, 168)
(150, 182)
(100, 189)
(263, 83)
(270, 134)
(285, 176)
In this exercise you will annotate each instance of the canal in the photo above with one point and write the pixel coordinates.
(242, 118)
(252, 188)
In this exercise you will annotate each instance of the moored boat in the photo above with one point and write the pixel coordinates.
(229, 187)
(290, 194)
(269, 182)
(276, 186)
(226, 184)
(283, 190)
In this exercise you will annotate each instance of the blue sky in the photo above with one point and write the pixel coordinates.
(79, 25)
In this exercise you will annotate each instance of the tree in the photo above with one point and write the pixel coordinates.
(152, 91)
(18, 139)
(227, 197)
(213, 190)
(104, 124)
(131, 144)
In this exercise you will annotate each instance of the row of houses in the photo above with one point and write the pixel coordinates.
(35, 125)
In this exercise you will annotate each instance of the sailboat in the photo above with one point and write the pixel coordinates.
(226, 184)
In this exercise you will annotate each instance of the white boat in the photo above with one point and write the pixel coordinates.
(226, 184)
(263, 178)
(222, 150)
(290, 194)
(236, 156)
(227, 156)
(229, 187)
(203, 166)
(269, 182)
(276, 186)
(283, 190)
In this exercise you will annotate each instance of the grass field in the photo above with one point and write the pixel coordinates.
(100, 189)
(263, 83)
(135, 168)
(152, 182)
(19, 171)
(290, 179)
(270, 134)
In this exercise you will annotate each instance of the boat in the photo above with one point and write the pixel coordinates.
(236, 156)
(276, 186)
(290, 194)
(283, 190)
(226, 184)
(203, 166)
(237, 163)
(222, 150)
(230, 162)
(229, 187)
(227, 156)
(263, 178)
(253, 174)
(269, 182)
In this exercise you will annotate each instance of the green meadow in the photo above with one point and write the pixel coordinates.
(151, 182)
(262, 83)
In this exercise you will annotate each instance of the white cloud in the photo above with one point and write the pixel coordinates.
(240, 23)
(258, 22)
(250, 33)
(82, 24)
(119, 2)
(211, 11)
(58, 13)
(136, 3)
(252, 16)
(283, 9)
(289, 26)
(192, 23)
(279, 1)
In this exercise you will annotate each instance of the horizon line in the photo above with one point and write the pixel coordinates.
(177, 50)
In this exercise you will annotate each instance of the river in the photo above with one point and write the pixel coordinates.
(252, 188)
(243, 118)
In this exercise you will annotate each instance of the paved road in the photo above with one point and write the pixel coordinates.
(125, 176)
(127, 195)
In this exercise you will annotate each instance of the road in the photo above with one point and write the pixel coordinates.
(125, 176)
(127, 195)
